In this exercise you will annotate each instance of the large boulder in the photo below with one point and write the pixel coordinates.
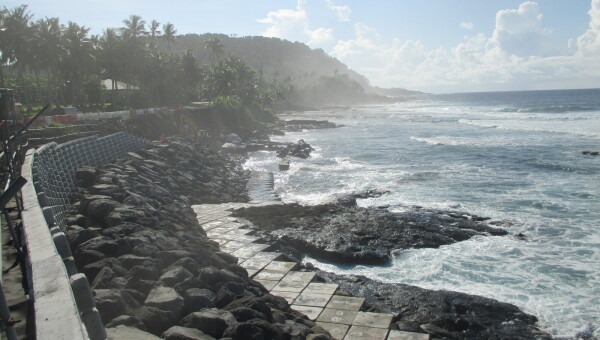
(185, 333)
(196, 299)
(210, 321)
(165, 298)
(129, 333)
(102, 244)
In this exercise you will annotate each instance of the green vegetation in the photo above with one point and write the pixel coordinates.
(47, 61)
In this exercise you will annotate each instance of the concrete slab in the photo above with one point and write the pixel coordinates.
(289, 296)
(375, 320)
(345, 303)
(212, 225)
(337, 316)
(311, 312)
(401, 335)
(250, 250)
(299, 276)
(260, 260)
(232, 244)
(281, 266)
(321, 288)
(266, 274)
(240, 231)
(247, 238)
(251, 272)
(291, 286)
(314, 300)
(337, 330)
(268, 284)
(365, 333)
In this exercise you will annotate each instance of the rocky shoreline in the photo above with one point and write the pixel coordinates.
(155, 273)
(151, 266)
(341, 232)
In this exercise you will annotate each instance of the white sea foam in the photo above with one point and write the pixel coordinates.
(521, 167)
(580, 127)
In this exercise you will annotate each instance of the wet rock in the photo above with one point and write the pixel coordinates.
(438, 331)
(300, 150)
(458, 314)
(343, 233)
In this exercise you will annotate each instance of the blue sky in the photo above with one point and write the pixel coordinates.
(428, 45)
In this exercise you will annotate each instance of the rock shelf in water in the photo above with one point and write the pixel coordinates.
(344, 233)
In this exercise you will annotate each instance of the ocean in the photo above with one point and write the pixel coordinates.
(512, 156)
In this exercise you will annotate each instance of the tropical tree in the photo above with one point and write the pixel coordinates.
(48, 48)
(192, 74)
(17, 42)
(215, 48)
(169, 32)
(232, 77)
(79, 59)
(154, 26)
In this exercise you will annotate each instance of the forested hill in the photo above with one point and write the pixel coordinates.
(276, 59)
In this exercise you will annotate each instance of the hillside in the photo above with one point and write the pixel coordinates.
(276, 59)
(309, 77)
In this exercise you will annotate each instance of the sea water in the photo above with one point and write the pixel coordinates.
(512, 156)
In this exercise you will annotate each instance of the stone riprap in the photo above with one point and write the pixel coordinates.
(340, 315)
(152, 266)
(54, 278)
(54, 168)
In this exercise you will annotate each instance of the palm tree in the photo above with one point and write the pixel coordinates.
(49, 50)
(169, 32)
(3, 44)
(80, 58)
(134, 27)
(214, 46)
(17, 33)
(154, 32)
(110, 49)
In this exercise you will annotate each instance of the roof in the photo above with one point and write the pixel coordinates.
(107, 84)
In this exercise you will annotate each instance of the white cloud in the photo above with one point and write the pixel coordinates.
(343, 12)
(319, 36)
(519, 31)
(467, 25)
(294, 25)
(588, 44)
(515, 57)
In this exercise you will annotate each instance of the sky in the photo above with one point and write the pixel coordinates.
(426, 45)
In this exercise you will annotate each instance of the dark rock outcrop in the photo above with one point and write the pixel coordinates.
(344, 233)
(441, 313)
(301, 150)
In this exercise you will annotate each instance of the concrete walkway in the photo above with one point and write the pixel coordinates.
(338, 314)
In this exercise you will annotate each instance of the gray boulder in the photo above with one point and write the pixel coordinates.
(210, 321)
(184, 333)
(129, 333)
(165, 298)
